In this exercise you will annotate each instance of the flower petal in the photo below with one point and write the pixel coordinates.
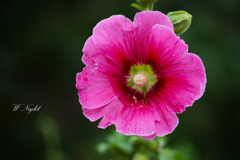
(137, 117)
(147, 19)
(164, 47)
(94, 88)
(178, 91)
(95, 114)
(109, 36)
(149, 137)
(96, 59)
(122, 40)
(169, 119)
(112, 116)
(189, 65)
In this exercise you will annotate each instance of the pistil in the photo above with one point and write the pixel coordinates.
(140, 80)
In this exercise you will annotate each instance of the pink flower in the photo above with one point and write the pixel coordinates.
(138, 75)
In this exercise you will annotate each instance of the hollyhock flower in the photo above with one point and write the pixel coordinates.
(138, 75)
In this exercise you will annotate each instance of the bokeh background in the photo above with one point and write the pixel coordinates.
(41, 48)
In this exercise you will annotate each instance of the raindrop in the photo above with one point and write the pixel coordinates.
(95, 65)
(135, 101)
(134, 130)
(152, 132)
(141, 132)
(137, 122)
(141, 106)
(132, 104)
(134, 97)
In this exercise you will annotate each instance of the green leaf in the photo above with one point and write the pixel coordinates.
(131, 83)
(144, 89)
(140, 156)
(147, 67)
(102, 147)
(137, 6)
(134, 69)
(153, 79)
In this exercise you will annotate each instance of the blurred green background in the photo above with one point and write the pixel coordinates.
(41, 48)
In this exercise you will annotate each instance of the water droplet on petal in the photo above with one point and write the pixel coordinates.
(152, 132)
(134, 130)
(134, 97)
(167, 49)
(141, 132)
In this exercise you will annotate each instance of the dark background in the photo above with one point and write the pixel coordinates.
(41, 48)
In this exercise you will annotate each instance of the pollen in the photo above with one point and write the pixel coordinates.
(140, 80)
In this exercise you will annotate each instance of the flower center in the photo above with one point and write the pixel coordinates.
(140, 80)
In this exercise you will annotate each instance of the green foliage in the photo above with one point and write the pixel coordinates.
(144, 4)
(119, 146)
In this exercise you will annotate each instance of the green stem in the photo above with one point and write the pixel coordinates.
(151, 6)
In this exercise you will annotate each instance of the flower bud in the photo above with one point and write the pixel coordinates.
(181, 21)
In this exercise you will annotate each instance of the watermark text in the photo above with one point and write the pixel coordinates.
(28, 108)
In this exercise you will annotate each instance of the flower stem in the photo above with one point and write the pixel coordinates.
(151, 6)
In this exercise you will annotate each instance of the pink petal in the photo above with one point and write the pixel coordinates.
(134, 118)
(96, 59)
(122, 41)
(112, 116)
(94, 88)
(168, 121)
(178, 91)
(109, 38)
(149, 137)
(168, 56)
(164, 47)
(147, 19)
(100, 64)
(95, 114)
(189, 65)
